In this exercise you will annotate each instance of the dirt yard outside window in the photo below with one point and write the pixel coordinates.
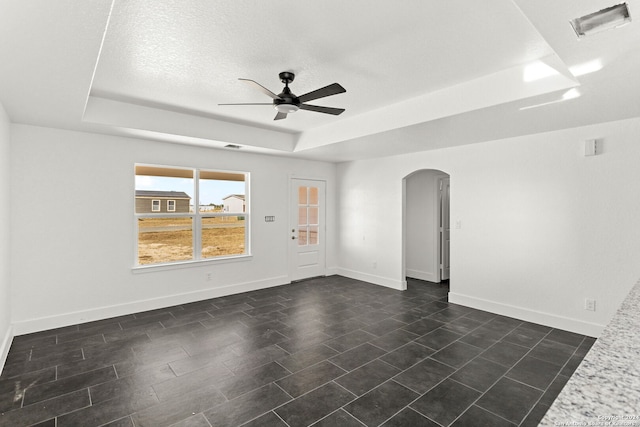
(171, 239)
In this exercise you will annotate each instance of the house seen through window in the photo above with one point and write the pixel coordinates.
(189, 214)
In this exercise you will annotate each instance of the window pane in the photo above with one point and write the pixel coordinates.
(302, 236)
(302, 216)
(164, 240)
(223, 236)
(155, 186)
(313, 215)
(313, 235)
(222, 192)
(313, 195)
(302, 195)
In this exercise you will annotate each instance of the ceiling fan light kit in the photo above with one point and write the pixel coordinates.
(286, 108)
(287, 102)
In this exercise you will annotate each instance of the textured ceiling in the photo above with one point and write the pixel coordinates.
(189, 54)
(453, 71)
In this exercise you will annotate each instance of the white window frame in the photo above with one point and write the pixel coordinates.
(153, 205)
(169, 209)
(196, 217)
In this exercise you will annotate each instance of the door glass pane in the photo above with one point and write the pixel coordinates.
(302, 195)
(164, 240)
(313, 235)
(223, 236)
(302, 216)
(313, 195)
(302, 236)
(313, 216)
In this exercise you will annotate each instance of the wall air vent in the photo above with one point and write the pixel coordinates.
(605, 19)
(232, 146)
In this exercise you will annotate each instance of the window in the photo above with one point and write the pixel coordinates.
(206, 215)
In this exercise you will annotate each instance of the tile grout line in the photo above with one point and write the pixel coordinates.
(554, 379)
(520, 382)
(400, 307)
(457, 369)
(505, 375)
(346, 373)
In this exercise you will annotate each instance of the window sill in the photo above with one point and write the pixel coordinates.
(138, 269)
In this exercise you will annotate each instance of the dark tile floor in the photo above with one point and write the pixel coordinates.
(324, 352)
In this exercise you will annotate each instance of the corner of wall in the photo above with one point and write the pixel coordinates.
(6, 329)
(5, 345)
(399, 285)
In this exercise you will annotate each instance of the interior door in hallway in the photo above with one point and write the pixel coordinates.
(445, 229)
(307, 238)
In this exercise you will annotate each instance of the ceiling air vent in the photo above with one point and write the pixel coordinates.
(605, 19)
(232, 146)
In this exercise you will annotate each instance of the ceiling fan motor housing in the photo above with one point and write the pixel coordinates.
(288, 102)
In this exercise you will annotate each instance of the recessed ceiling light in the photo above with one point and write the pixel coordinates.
(605, 19)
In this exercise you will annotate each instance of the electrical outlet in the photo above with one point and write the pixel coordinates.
(209, 276)
(590, 304)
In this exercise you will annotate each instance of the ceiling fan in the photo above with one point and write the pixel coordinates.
(287, 102)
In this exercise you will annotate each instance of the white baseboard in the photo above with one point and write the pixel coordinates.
(542, 318)
(422, 275)
(331, 271)
(400, 285)
(99, 313)
(4, 346)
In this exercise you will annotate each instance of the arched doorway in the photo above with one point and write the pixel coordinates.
(426, 225)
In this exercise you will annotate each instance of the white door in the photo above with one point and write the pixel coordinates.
(307, 229)
(445, 229)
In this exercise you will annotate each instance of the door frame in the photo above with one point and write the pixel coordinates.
(290, 220)
(440, 249)
(437, 213)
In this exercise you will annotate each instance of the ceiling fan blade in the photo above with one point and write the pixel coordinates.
(280, 116)
(318, 109)
(332, 89)
(251, 103)
(260, 88)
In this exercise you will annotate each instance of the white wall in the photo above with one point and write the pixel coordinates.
(542, 227)
(5, 304)
(422, 218)
(73, 259)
